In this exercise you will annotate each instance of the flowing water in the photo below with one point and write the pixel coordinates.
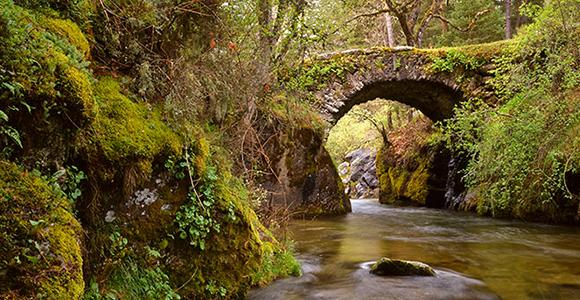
(474, 258)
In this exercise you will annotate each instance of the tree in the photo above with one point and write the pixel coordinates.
(474, 26)
(508, 19)
(389, 30)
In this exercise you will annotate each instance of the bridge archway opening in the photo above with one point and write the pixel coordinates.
(426, 102)
(434, 99)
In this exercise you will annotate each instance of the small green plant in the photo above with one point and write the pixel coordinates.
(7, 131)
(131, 280)
(118, 248)
(194, 220)
(177, 167)
(454, 59)
(65, 182)
(214, 290)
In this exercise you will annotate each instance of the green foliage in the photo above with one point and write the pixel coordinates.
(522, 150)
(38, 236)
(463, 132)
(454, 59)
(40, 68)
(353, 131)
(65, 182)
(276, 263)
(76, 10)
(194, 220)
(313, 75)
(7, 131)
(460, 13)
(130, 280)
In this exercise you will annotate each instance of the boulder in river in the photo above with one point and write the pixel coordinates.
(395, 267)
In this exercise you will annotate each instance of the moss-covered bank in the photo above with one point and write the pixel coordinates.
(40, 240)
(161, 212)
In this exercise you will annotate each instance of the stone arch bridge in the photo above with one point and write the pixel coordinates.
(430, 80)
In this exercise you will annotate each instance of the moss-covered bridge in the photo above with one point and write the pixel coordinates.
(431, 80)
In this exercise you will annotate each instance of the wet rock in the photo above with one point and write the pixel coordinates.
(343, 168)
(306, 182)
(360, 173)
(394, 267)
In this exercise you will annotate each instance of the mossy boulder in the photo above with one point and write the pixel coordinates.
(413, 168)
(124, 129)
(394, 267)
(39, 240)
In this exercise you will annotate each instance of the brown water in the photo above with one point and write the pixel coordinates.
(475, 258)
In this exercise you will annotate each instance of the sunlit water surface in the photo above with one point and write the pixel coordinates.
(475, 258)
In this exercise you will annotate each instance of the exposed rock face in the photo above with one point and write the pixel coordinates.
(416, 180)
(306, 180)
(394, 267)
(359, 174)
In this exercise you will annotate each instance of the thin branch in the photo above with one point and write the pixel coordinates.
(466, 29)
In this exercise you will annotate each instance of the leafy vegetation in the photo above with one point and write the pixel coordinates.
(454, 59)
(524, 152)
(158, 122)
(355, 130)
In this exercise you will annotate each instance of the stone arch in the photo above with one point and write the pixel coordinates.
(434, 99)
(406, 75)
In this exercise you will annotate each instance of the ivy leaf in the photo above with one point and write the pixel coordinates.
(3, 116)
(14, 135)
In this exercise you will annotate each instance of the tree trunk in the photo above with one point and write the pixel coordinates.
(508, 19)
(390, 35)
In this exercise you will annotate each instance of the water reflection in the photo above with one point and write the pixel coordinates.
(489, 258)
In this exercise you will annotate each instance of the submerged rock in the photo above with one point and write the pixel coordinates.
(394, 267)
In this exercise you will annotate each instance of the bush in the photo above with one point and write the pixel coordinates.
(523, 150)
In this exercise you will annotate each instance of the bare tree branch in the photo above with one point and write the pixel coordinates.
(469, 27)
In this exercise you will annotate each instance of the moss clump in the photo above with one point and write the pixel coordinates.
(124, 129)
(77, 10)
(43, 80)
(70, 31)
(41, 256)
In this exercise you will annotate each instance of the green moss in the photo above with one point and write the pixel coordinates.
(276, 263)
(124, 129)
(70, 31)
(454, 59)
(394, 267)
(77, 10)
(39, 240)
(42, 70)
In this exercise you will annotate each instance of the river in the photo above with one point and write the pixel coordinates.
(474, 257)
